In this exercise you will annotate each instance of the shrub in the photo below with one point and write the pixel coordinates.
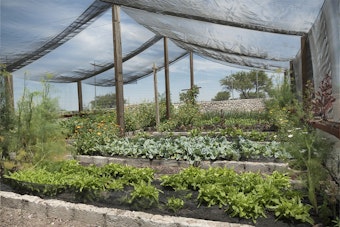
(36, 135)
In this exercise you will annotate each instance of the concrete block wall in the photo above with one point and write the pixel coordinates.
(98, 216)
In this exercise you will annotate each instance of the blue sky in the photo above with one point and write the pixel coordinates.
(22, 29)
(207, 76)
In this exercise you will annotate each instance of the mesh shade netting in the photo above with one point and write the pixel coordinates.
(198, 26)
(289, 16)
(219, 38)
(324, 39)
(264, 34)
(16, 61)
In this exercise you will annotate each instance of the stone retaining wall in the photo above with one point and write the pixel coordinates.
(97, 216)
(238, 105)
(238, 166)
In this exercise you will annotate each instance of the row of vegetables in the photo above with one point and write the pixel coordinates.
(245, 195)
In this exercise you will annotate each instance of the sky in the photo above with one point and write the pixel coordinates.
(207, 76)
(22, 29)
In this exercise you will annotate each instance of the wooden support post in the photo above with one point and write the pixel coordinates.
(118, 63)
(9, 89)
(167, 80)
(156, 94)
(304, 62)
(80, 96)
(191, 70)
(292, 77)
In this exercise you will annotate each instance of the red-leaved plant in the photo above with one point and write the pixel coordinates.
(323, 101)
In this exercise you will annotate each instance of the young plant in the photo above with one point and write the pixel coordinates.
(212, 194)
(309, 151)
(174, 204)
(144, 195)
(292, 207)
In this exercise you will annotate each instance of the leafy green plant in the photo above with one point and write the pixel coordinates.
(144, 195)
(86, 182)
(244, 205)
(175, 182)
(292, 207)
(309, 151)
(137, 175)
(336, 222)
(38, 181)
(174, 204)
(212, 194)
(246, 195)
(193, 149)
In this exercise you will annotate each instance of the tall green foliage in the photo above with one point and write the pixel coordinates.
(36, 134)
(6, 113)
(188, 112)
(284, 110)
(144, 115)
(190, 96)
(307, 147)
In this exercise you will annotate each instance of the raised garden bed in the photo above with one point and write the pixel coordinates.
(198, 202)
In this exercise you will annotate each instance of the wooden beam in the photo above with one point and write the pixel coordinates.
(292, 77)
(9, 86)
(80, 96)
(192, 83)
(118, 63)
(305, 67)
(156, 94)
(167, 80)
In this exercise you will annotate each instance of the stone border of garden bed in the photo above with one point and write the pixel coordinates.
(161, 165)
(99, 216)
(238, 166)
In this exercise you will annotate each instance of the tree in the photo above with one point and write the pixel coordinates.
(104, 101)
(6, 112)
(250, 84)
(222, 95)
(190, 96)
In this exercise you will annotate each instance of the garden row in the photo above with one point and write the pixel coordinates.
(246, 195)
(192, 148)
